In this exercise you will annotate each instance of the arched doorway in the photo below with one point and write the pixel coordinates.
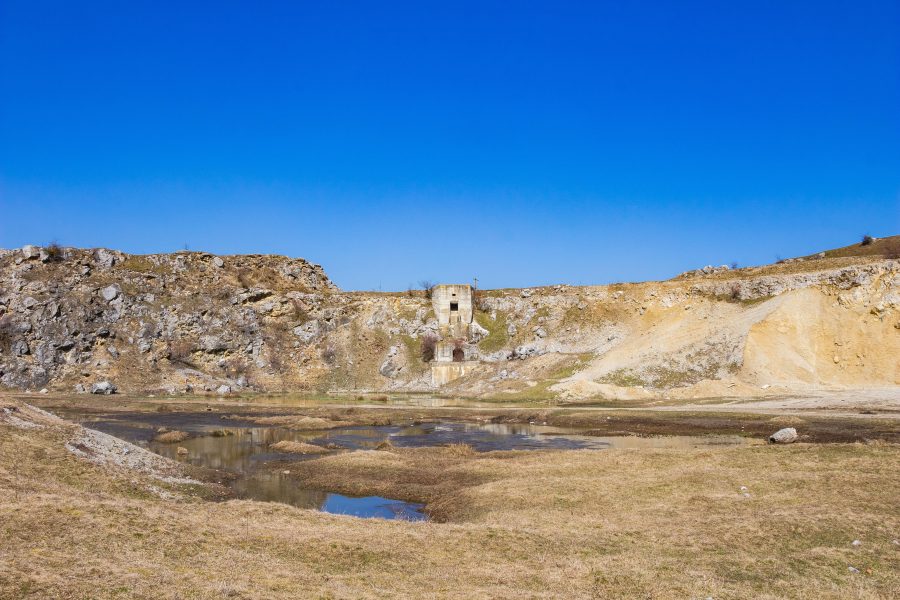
(458, 355)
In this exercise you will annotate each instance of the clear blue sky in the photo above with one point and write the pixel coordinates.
(522, 143)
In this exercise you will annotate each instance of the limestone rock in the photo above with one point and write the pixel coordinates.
(110, 293)
(223, 389)
(29, 251)
(477, 332)
(218, 262)
(103, 387)
(784, 436)
(104, 257)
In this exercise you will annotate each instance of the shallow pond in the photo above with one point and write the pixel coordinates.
(242, 447)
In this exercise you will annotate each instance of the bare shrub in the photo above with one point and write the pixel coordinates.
(428, 287)
(734, 294)
(235, 367)
(429, 344)
(298, 311)
(866, 240)
(54, 252)
(243, 277)
(329, 354)
(181, 351)
(7, 332)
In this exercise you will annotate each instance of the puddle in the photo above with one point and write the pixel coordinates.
(242, 447)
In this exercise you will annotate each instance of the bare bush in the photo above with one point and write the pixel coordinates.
(7, 332)
(54, 252)
(235, 367)
(428, 287)
(429, 345)
(866, 240)
(243, 277)
(329, 354)
(181, 351)
(299, 312)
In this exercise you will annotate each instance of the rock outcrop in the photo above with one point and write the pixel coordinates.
(195, 322)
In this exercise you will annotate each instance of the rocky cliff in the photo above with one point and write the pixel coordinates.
(194, 322)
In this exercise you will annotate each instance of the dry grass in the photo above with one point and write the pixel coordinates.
(290, 447)
(300, 422)
(667, 523)
(171, 437)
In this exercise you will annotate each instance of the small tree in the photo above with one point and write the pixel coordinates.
(866, 240)
(428, 287)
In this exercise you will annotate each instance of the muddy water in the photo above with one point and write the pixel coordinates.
(241, 448)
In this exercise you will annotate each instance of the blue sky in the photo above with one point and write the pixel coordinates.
(522, 143)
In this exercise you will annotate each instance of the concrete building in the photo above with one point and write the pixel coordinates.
(453, 355)
(453, 307)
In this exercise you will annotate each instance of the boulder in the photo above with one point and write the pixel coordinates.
(110, 293)
(223, 389)
(477, 332)
(104, 257)
(218, 262)
(79, 388)
(784, 436)
(29, 251)
(103, 387)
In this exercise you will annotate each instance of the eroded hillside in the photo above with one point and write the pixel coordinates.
(192, 321)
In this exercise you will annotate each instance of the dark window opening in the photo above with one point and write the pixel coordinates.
(458, 355)
(454, 306)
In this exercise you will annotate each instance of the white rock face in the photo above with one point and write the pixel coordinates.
(223, 389)
(110, 293)
(29, 251)
(104, 257)
(784, 436)
(103, 387)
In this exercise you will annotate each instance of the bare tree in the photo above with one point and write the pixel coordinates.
(428, 287)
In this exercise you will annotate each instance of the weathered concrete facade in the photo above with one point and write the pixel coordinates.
(453, 355)
(453, 307)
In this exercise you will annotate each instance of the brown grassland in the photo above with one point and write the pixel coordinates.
(649, 523)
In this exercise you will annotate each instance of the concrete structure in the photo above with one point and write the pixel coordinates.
(453, 307)
(453, 355)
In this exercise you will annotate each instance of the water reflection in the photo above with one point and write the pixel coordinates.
(241, 447)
